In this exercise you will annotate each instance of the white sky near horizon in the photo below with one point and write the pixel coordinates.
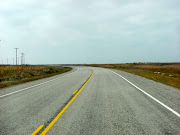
(95, 31)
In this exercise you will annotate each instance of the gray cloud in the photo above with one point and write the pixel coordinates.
(105, 31)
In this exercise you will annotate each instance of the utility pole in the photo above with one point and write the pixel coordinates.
(7, 61)
(16, 54)
(13, 61)
(22, 58)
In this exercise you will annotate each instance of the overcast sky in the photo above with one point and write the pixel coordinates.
(90, 31)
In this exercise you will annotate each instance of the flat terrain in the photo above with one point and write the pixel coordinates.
(166, 73)
(17, 74)
(108, 104)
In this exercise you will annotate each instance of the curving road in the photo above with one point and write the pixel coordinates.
(106, 102)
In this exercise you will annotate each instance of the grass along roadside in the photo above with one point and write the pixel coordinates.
(166, 73)
(165, 78)
(12, 75)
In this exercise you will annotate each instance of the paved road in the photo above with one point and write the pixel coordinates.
(107, 104)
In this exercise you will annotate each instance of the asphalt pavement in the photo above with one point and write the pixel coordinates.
(89, 100)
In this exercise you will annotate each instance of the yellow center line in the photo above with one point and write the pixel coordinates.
(75, 92)
(59, 115)
(37, 130)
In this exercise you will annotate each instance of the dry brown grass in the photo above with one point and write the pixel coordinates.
(165, 68)
(10, 75)
(167, 73)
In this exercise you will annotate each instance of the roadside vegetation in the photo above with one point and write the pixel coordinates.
(166, 73)
(11, 74)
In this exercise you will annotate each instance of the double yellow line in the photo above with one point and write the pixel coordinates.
(75, 92)
(59, 115)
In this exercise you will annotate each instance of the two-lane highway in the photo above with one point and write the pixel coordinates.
(107, 104)
(23, 112)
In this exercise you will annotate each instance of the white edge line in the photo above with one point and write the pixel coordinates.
(176, 113)
(36, 85)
